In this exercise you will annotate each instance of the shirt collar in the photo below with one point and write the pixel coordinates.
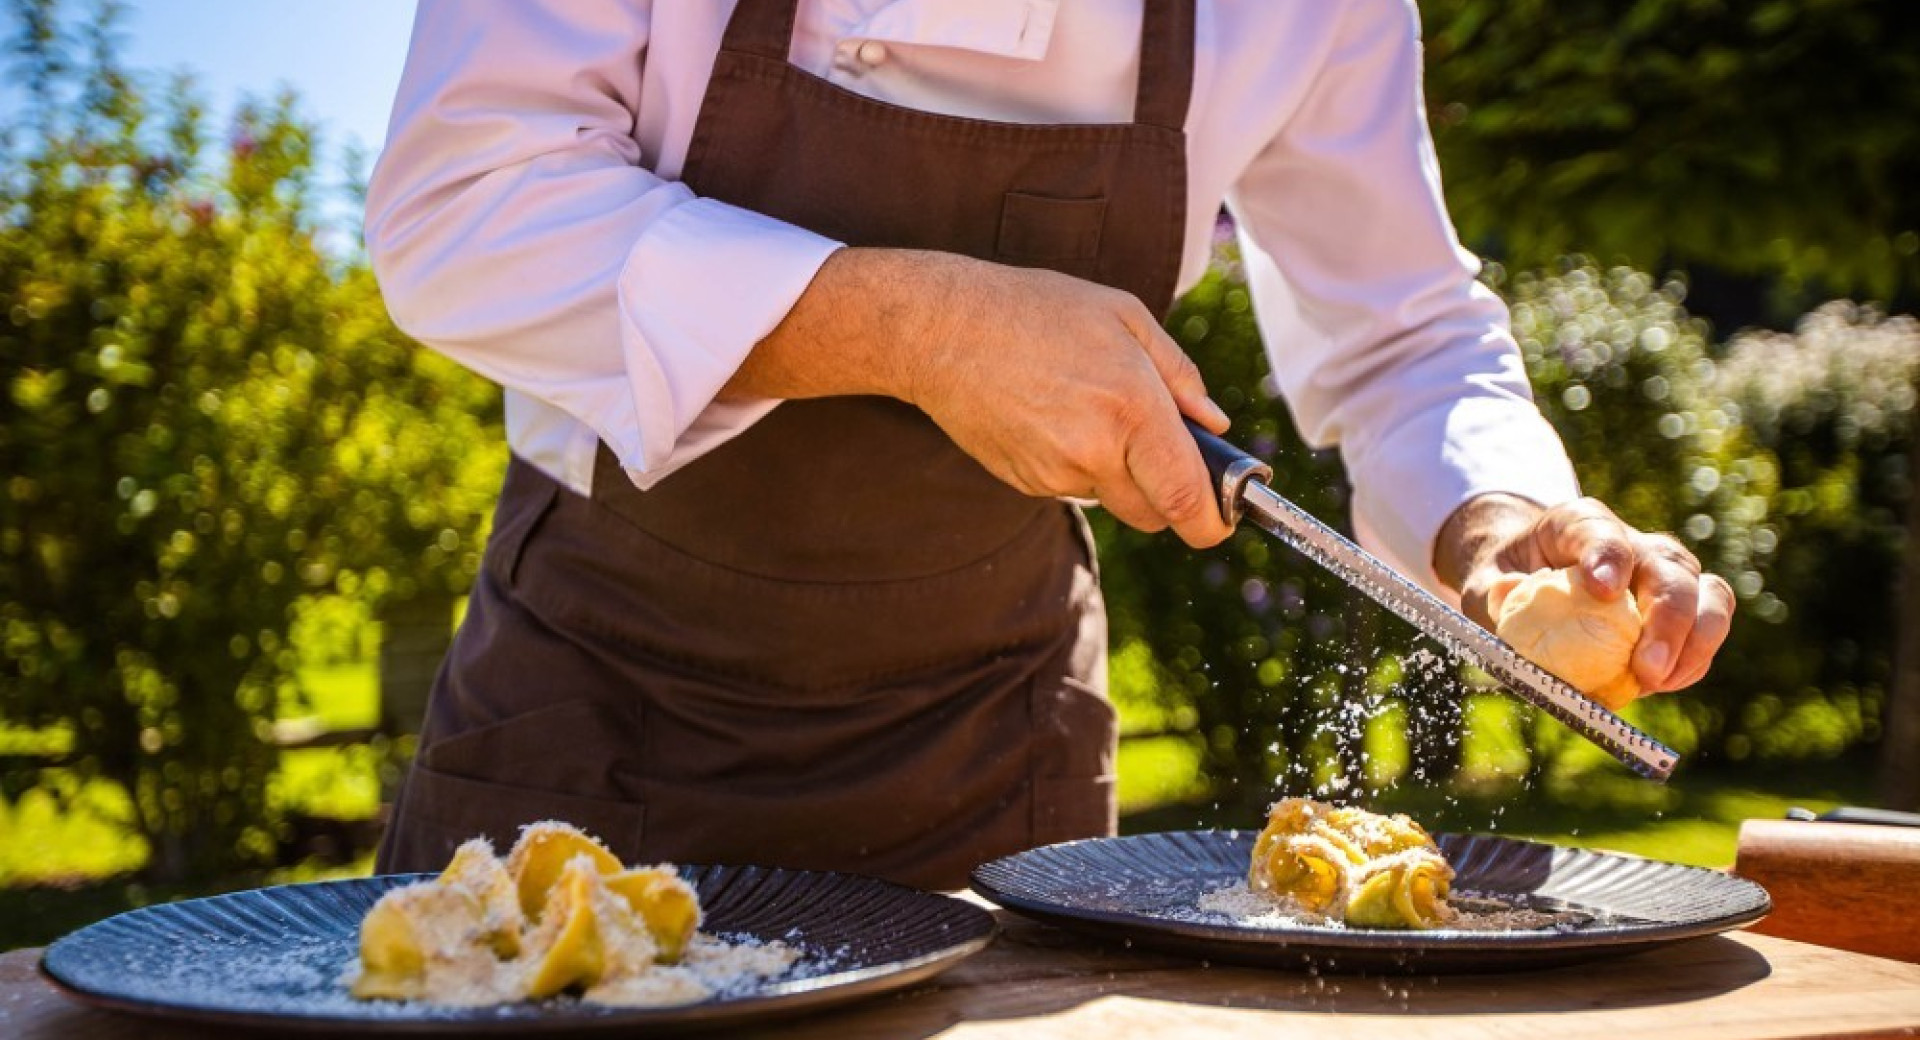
(1008, 28)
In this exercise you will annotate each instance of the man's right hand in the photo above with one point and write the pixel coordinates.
(1058, 386)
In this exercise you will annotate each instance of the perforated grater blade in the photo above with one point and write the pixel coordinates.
(1241, 481)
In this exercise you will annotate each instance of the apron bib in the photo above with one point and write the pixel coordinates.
(836, 641)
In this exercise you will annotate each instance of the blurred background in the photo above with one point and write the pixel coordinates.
(238, 510)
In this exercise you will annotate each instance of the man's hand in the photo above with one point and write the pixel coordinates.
(1057, 386)
(1686, 613)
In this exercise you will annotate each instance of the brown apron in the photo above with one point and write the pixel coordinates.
(835, 642)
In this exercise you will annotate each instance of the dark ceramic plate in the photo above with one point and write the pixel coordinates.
(275, 957)
(1146, 888)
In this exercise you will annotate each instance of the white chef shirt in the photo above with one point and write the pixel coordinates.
(526, 220)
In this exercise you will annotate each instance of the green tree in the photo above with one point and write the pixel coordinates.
(1777, 137)
(209, 417)
(1774, 140)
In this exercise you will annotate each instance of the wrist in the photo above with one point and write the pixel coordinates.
(900, 306)
(1474, 535)
(924, 296)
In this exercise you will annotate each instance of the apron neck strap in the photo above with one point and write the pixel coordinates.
(1166, 64)
(765, 28)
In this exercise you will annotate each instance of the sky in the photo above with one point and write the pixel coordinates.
(342, 57)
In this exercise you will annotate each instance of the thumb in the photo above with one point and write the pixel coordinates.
(1585, 535)
(1177, 371)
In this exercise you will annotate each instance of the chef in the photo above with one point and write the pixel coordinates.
(812, 316)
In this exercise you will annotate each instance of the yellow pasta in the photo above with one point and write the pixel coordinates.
(1364, 868)
(664, 902)
(476, 871)
(560, 914)
(1405, 890)
(543, 851)
(424, 940)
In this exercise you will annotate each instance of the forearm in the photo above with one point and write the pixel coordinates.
(1058, 386)
(863, 326)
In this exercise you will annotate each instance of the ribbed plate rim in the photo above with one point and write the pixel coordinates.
(963, 930)
(1010, 896)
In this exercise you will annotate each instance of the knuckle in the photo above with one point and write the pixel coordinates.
(1594, 522)
(1126, 413)
(1083, 465)
(1613, 550)
(1673, 613)
(1184, 501)
(1185, 371)
(1078, 457)
(1671, 585)
(1667, 548)
(1130, 305)
(1589, 506)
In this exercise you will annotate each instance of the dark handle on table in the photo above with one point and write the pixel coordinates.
(1230, 469)
(1858, 814)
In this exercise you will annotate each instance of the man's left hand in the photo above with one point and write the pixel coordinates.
(1686, 614)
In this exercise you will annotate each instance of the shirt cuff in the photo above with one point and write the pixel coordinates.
(1408, 486)
(705, 283)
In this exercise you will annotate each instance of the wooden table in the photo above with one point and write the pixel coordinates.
(1041, 982)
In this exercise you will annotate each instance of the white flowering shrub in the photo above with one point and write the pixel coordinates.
(1778, 458)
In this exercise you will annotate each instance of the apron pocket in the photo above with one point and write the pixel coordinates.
(573, 746)
(1063, 234)
(560, 761)
(441, 811)
(526, 497)
(1075, 729)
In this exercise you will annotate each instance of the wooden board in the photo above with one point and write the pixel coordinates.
(1040, 982)
(1846, 885)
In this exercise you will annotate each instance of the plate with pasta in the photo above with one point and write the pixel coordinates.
(1338, 889)
(557, 936)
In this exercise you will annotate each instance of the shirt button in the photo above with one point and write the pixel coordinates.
(872, 52)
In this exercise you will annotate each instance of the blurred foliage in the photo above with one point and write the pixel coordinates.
(1778, 137)
(210, 422)
(1818, 526)
(1779, 459)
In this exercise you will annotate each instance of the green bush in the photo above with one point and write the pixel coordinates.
(209, 418)
(1821, 511)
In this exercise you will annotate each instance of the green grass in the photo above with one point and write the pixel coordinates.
(343, 696)
(45, 843)
(1696, 818)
